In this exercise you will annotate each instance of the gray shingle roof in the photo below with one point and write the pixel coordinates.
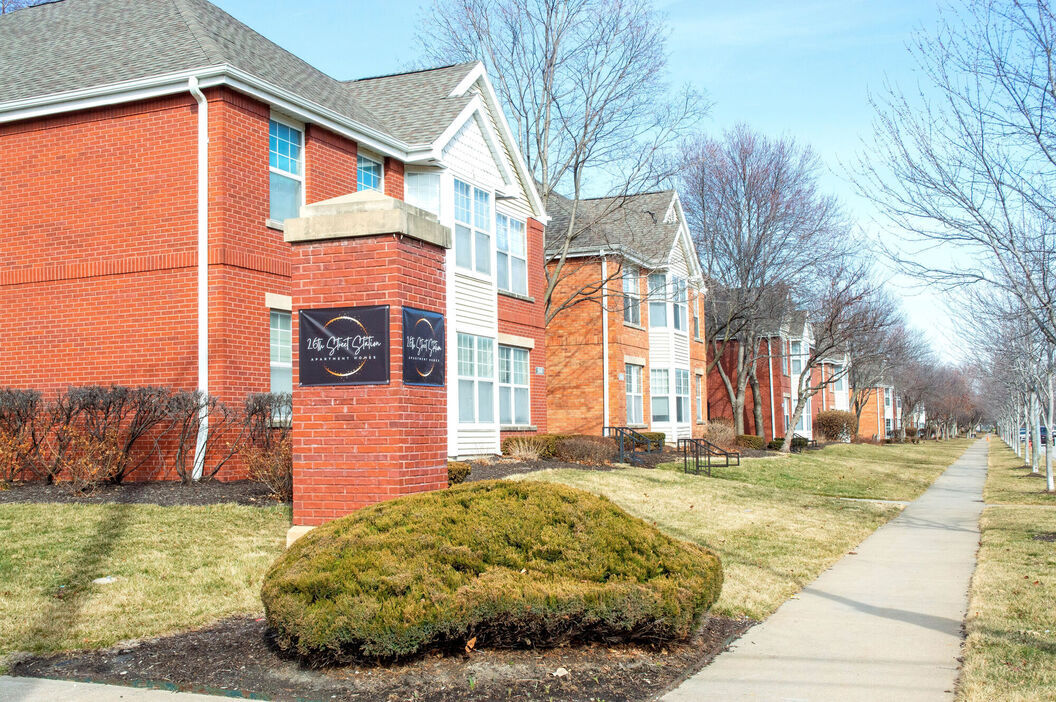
(633, 223)
(415, 106)
(76, 44)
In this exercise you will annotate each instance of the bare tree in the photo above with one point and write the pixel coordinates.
(12, 5)
(583, 85)
(762, 226)
(847, 305)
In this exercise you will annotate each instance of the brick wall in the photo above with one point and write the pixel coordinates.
(527, 318)
(357, 445)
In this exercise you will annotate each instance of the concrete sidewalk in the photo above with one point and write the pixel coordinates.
(40, 690)
(884, 624)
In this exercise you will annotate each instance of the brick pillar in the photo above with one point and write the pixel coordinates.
(354, 445)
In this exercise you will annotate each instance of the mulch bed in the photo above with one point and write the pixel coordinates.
(235, 657)
(499, 468)
(1047, 536)
(166, 494)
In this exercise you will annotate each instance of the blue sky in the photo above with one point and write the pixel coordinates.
(803, 68)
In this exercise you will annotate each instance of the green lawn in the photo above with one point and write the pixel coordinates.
(176, 568)
(888, 472)
(1010, 652)
(772, 542)
(1009, 483)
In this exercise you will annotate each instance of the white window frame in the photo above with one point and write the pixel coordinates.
(696, 317)
(280, 344)
(795, 351)
(302, 163)
(837, 372)
(786, 354)
(475, 233)
(504, 258)
(513, 387)
(632, 296)
(377, 161)
(410, 177)
(479, 378)
(788, 412)
(635, 397)
(682, 396)
(659, 379)
(657, 283)
(679, 304)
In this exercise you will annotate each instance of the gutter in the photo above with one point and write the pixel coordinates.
(203, 273)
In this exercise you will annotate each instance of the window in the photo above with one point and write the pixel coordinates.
(700, 399)
(696, 318)
(887, 399)
(801, 425)
(287, 171)
(634, 395)
(632, 300)
(472, 228)
(513, 386)
(788, 412)
(511, 257)
(423, 190)
(887, 425)
(797, 360)
(837, 385)
(681, 395)
(657, 302)
(681, 320)
(784, 358)
(659, 392)
(476, 372)
(898, 402)
(368, 173)
(281, 348)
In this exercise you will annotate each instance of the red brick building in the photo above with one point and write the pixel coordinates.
(627, 349)
(153, 150)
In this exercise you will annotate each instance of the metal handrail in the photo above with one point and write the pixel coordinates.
(704, 448)
(812, 443)
(630, 441)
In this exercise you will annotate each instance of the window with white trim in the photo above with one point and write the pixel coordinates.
(887, 399)
(657, 300)
(368, 173)
(788, 412)
(514, 399)
(700, 398)
(797, 360)
(784, 359)
(681, 395)
(281, 352)
(837, 372)
(660, 394)
(511, 255)
(679, 305)
(472, 228)
(635, 416)
(476, 379)
(423, 190)
(887, 425)
(632, 297)
(286, 171)
(696, 318)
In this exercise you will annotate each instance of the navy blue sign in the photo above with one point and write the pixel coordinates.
(423, 347)
(344, 346)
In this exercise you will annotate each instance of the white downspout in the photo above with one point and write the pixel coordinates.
(770, 379)
(203, 272)
(605, 338)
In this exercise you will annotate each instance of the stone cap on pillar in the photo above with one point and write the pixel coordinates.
(365, 213)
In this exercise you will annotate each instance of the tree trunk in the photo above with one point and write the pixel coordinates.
(1050, 485)
(757, 405)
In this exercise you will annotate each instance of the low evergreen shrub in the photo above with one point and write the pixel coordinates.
(457, 472)
(751, 441)
(656, 438)
(510, 564)
(798, 442)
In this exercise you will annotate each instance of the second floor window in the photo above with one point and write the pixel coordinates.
(368, 173)
(472, 228)
(286, 166)
(887, 399)
(681, 321)
(511, 255)
(632, 299)
(657, 300)
(837, 372)
(797, 359)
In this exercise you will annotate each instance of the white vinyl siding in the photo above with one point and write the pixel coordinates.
(635, 416)
(514, 396)
(632, 298)
(286, 171)
(660, 394)
(476, 385)
(681, 395)
(511, 255)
